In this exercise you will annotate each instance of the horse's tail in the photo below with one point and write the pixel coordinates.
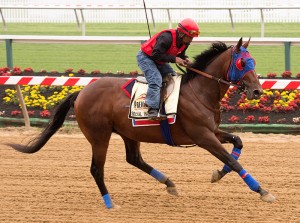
(57, 121)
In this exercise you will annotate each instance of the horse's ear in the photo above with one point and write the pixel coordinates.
(238, 45)
(245, 45)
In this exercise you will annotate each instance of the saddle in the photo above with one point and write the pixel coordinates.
(169, 97)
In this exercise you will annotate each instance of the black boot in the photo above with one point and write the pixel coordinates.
(153, 114)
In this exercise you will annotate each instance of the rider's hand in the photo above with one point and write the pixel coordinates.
(187, 61)
(181, 61)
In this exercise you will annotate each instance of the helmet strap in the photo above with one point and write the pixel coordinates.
(181, 34)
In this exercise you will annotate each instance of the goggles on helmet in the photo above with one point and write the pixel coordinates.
(192, 33)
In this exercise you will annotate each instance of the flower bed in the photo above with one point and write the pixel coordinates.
(274, 106)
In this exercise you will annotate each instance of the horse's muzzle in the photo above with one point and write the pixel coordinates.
(257, 93)
(253, 94)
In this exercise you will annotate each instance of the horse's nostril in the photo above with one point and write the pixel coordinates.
(257, 93)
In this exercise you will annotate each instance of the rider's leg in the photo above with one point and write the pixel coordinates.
(154, 79)
(165, 69)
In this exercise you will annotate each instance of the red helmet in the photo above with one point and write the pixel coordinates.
(189, 27)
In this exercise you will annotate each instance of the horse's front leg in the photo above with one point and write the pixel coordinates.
(225, 137)
(212, 145)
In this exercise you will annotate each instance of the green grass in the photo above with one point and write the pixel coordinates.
(122, 57)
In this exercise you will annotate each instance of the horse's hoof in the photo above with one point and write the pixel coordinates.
(268, 197)
(172, 191)
(216, 176)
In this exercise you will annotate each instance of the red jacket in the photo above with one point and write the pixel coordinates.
(148, 46)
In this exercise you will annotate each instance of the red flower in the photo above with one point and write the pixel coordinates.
(81, 71)
(226, 107)
(31, 112)
(265, 108)
(234, 119)
(250, 118)
(43, 71)
(293, 104)
(54, 72)
(264, 119)
(17, 71)
(286, 74)
(271, 75)
(69, 70)
(95, 72)
(264, 99)
(288, 108)
(45, 113)
(5, 71)
(298, 75)
(135, 72)
(28, 70)
(278, 108)
(14, 113)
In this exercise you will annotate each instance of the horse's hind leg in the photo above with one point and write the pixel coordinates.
(225, 137)
(99, 147)
(134, 157)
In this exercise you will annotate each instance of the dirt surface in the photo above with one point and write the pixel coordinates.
(54, 184)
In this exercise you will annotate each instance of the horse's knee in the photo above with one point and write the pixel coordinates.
(237, 142)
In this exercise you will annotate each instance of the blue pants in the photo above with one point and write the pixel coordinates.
(153, 73)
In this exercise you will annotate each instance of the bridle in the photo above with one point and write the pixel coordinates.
(241, 87)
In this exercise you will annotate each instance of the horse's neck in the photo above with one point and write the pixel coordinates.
(212, 89)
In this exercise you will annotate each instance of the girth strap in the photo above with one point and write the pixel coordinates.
(165, 129)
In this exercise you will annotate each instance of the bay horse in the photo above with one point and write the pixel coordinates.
(101, 108)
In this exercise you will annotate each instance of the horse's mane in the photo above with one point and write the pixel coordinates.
(202, 60)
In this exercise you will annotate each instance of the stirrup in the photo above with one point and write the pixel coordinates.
(161, 116)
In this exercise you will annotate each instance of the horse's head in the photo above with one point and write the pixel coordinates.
(242, 70)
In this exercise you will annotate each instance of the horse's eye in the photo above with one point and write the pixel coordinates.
(238, 64)
(243, 62)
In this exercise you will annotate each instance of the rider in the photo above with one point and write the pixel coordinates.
(167, 46)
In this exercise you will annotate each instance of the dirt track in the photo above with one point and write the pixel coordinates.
(54, 185)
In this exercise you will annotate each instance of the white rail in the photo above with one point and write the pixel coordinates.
(285, 84)
(138, 39)
(81, 8)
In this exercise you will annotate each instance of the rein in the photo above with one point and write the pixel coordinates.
(220, 80)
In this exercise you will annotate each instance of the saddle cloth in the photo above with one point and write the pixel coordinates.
(138, 112)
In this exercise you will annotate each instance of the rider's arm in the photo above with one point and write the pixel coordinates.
(163, 43)
(182, 54)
